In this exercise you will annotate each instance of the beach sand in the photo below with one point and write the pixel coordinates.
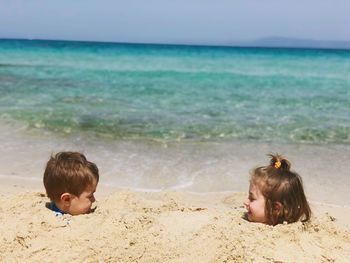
(129, 226)
(174, 224)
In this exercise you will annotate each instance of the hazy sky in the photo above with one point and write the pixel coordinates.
(175, 21)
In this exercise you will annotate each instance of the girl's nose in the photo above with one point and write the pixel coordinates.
(246, 203)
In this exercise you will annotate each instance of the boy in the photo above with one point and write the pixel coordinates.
(70, 182)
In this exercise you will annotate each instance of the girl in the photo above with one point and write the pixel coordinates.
(276, 194)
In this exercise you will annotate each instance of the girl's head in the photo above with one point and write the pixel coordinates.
(276, 194)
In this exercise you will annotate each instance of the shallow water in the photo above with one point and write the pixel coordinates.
(177, 93)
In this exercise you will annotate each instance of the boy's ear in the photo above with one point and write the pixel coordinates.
(66, 199)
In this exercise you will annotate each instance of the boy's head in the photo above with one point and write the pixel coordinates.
(70, 182)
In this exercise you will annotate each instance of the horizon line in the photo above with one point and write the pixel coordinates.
(248, 44)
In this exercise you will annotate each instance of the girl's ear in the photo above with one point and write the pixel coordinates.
(277, 208)
(66, 199)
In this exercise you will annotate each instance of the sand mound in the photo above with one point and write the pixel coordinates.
(162, 227)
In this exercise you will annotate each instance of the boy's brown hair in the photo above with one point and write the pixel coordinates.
(278, 184)
(69, 172)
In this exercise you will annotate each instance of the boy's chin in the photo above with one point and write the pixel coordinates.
(90, 210)
(81, 212)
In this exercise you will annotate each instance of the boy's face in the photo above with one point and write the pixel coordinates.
(82, 204)
(255, 205)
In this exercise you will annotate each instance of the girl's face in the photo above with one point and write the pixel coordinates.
(255, 205)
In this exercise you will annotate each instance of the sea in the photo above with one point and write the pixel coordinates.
(160, 117)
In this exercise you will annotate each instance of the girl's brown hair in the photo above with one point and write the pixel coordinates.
(283, 191)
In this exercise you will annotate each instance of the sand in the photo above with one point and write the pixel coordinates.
(129, 226)
(168, 226)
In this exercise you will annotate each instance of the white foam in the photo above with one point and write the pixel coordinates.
(190, 167)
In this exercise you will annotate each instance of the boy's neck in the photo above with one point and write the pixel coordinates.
(58, 207)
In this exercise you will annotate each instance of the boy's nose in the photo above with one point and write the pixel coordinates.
(93, 199)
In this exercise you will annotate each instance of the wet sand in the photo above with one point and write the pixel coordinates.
(178, 166)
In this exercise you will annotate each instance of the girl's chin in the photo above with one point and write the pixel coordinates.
(249, 216)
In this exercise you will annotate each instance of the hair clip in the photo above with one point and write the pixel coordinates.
(278, 164)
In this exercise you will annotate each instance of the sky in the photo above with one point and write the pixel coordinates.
(175, 21)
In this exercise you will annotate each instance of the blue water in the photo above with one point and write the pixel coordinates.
(177, 93)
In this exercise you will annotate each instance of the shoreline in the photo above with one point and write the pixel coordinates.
(19, 185)
(193, 168)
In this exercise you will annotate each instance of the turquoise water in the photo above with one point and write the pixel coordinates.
(177, 93)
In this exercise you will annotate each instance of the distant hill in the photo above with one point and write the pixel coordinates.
(298, 43)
